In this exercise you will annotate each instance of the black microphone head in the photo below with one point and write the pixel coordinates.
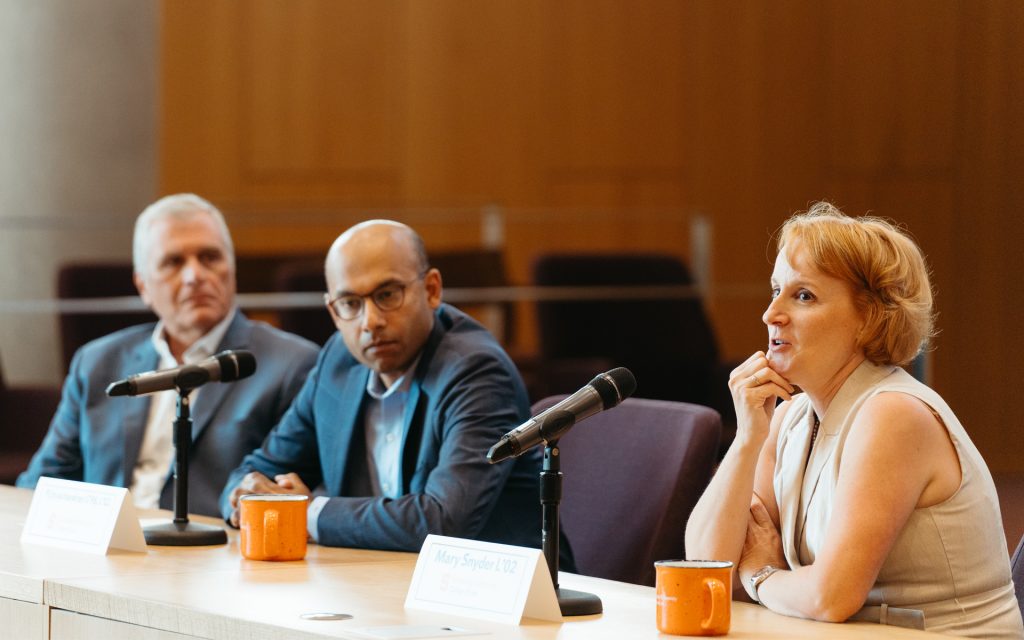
(505, 448)
(119, 388)
(624, 380)
(614, 386)
(235, 365)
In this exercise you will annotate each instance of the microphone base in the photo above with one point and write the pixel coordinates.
(184, 534)
(578, 603)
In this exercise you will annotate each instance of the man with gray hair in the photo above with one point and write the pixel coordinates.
(184, 266)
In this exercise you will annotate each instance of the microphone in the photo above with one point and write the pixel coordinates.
(603, 392)
(226, 366)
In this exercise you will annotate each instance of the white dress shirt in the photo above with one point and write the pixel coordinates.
(156, 454)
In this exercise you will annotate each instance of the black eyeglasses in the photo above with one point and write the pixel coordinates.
(387, 297)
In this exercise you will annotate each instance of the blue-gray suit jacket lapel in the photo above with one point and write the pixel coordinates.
(337, 427)
(409, 451)
(135, 411)
(341, 422)
(423, 383)
(338, 421)
(212, 395)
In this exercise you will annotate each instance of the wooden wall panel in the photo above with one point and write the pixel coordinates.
(269, 105)
(473, 98)
(890, 86)
(608, 124)
(755, 126)
(613, 74)
(198, 119)
(321, 92)
(982, 343)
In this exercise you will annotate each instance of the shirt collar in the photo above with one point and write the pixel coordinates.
(375, 386)
(199, 350)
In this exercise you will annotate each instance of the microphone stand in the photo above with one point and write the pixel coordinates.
(180, 532)
(571, 603)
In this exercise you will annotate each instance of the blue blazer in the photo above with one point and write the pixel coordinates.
(95, 438)
(465, 395)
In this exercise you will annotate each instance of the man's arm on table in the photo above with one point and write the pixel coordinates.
(453, 489)
(290, 447)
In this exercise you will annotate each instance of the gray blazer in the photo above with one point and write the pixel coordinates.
(95, 438)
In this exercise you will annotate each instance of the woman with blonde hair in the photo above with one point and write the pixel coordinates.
(860, 496)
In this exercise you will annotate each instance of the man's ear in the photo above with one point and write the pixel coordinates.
(432, 283)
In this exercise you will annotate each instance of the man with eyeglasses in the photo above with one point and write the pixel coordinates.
(392, 426)
(184, 269)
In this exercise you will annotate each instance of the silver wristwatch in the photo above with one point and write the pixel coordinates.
(760, 576)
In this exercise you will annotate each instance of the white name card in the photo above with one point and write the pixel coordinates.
(496, 582)
(80, 516)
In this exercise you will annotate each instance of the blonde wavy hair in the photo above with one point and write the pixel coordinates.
(885, 269)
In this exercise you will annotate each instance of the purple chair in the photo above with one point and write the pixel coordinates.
(632, 474)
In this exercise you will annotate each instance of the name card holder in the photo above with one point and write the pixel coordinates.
(81, 516)
(483, 580)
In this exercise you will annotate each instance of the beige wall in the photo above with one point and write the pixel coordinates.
(78, 128)
(645, 110)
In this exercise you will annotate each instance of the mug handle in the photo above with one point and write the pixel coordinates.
(718, 617)
(270, 543)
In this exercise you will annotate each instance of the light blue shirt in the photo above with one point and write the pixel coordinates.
(383, 421)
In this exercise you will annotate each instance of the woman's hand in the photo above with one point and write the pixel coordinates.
(762, 546)
(718, 524)
(755, 387)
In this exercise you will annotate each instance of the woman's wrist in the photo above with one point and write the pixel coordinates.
(758, 578)
(748, 442)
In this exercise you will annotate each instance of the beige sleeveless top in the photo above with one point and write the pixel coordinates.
(949, 561)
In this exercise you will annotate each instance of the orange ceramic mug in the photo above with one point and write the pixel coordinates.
(694, 597)
(273, 526)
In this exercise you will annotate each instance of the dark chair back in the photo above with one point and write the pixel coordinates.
(258, 273)
(254, 274)
(304, 276)
(478, 268)
(632, 474)
(95, 280)
(668, 344)
(463, 268)
(1017, 568)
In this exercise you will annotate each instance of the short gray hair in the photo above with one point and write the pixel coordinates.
(179, 206)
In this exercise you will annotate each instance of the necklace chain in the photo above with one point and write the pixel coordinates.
(814, 436)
